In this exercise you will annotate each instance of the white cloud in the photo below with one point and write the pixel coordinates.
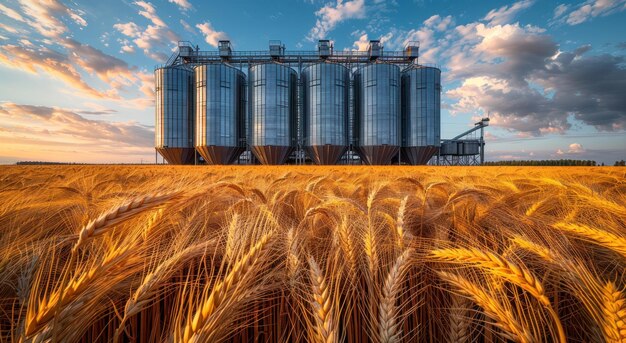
(529, 85)
(8, 28)
(575, 148)
(156, 36)
(126, 48)
(363, 42)
(560, 10)
(77, 18)
(27, 43)
(11, 13)
(186, 26)
(211, 35)
(506, 14)
(438, 23)
(183, 4)
(330, 15)
(51, 62)
(70, 65)
(128, 29)
(45, 16)
(149, 12)
(594, 8)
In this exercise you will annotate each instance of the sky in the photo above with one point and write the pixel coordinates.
(77, 76)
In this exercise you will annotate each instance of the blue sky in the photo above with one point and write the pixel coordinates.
(77, 80)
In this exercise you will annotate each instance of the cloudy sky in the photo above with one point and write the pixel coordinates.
(77, 76)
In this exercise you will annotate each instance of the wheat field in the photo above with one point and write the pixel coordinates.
(312, 254)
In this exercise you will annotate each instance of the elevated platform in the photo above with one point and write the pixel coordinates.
(189, 54)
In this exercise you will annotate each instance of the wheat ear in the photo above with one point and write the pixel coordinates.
(387, 310)
(401, 233)
(503, 318)
(45, 310)
(292, 262)
(614, 306)
(459, 324)
(543, 252)
(231, 238)
(322, 305)
(347, 247)
(223, 290)
(600, 237)
(498, 266)
(118, 214)
(143, 294)
(151, 222)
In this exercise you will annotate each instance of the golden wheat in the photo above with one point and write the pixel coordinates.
(615, 313)
(322, 306)
(499, 266)
(601, 237)
(223, 292)
(298, 253)
(504, 318)
(459, 321)
(116, 215)
(388, 320)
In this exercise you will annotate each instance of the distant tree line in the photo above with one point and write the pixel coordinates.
(542, 163)
(44, 163)
(621, 163)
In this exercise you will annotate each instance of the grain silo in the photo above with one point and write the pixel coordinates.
(377, 112)
(421, 113)
(220, 112)
(272, 112)
(325, 111)
(174, 120)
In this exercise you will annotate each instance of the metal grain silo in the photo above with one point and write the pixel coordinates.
(325, 111)
(174, 122)
(272, 115)
(421, 113)
(220, 112)
(377, 112)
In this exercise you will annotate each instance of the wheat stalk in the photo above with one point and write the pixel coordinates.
(322, 305)
(223, 291)
(387, 311)
(600, 237)
(503, 318)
